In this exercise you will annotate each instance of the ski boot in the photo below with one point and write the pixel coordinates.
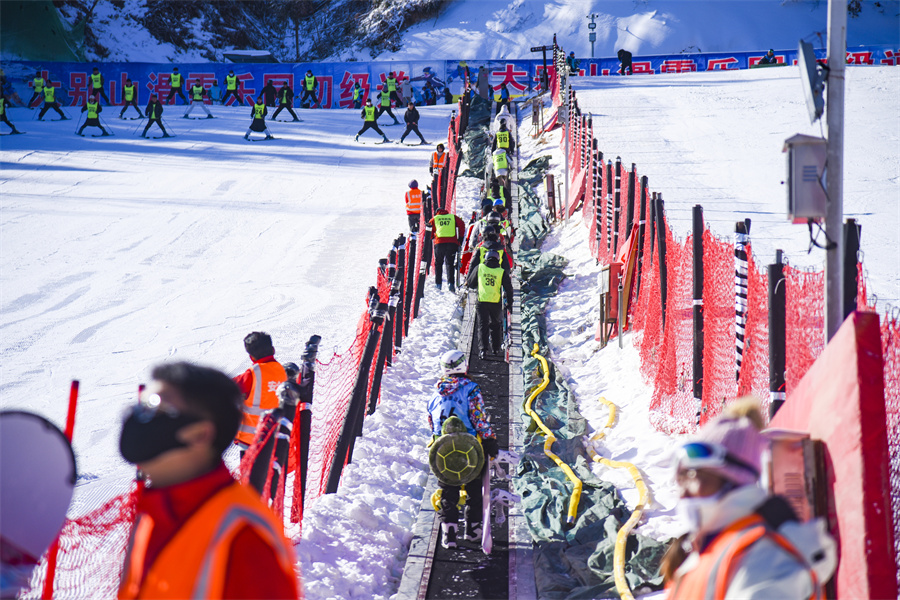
(210, 117)
(448, 535)
(247, 137)
(270, 137)
(356, 139)
(386, 141)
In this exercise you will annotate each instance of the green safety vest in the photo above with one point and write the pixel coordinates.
(154, 110)
(129, 92)
(505, 227)
(284, 97)
(356, 92)
(197, 90)
(309, 81)
(482, 251)
(490, 282)
(38, 84)
(231, 82)
(500, 161)
(97, 80)
(370, 113)
(176, 80)
(385, 98)
(49, 94)
(445, 226)
(92, 109)
(392, 84)
(259, 111)
(503, 139)
(2, 106)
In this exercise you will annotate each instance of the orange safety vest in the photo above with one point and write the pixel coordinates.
(193, 563)
(413, 202)
(712, 575)
(438, 160)
(266, 378)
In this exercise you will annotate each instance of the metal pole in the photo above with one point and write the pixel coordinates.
(851, 275)
(568, 125)
(834, 178)
(658, 209)
(776, 334)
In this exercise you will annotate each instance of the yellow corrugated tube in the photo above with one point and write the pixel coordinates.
(643, 501)
(548, 442)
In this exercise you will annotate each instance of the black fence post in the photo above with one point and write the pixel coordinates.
(851, 273)
(629, 210)
(400, 247)
(259, 470)
(386, 348)
(618, 205)
(777, 309)
(598, 197)
(356, 408)
(412, 268)
(424, 268)
(642, 225)
(658, 208)
(307, 382)
(610, 207)
(741, 284)
(697, 214)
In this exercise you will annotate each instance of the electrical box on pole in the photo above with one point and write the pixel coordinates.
(805, 175)
(592, 36)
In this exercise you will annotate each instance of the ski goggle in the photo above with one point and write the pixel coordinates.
(703, 455)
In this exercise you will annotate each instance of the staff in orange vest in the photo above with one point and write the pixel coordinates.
(438, 159)
(743, 542)
(413, 199)
(198, 533)
(258, 385)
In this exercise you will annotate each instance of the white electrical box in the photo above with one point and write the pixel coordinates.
(806, 178)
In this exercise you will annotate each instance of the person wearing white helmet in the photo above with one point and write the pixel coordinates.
(457, 395)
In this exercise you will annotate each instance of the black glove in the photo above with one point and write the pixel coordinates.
(490, 446)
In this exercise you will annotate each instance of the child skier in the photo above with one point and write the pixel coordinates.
(197, 94)
(154, 112)
(457, 395)
(93, 108)
(370, 121)
(259, 111)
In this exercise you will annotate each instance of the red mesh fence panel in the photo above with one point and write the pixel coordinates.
(755, 366)
(804, 322)
(91, 552)
(719, 384)
(890, 347)
(672, 407)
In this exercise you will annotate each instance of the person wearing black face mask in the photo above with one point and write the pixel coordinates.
(186, 419)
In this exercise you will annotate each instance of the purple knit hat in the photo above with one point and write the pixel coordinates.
(741, 438)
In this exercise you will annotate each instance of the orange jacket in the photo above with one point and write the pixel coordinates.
(194, 562)
(266, 377)
(438, 160)
(414, 202)
(713, 573)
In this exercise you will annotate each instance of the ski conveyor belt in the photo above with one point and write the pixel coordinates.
(466, 572)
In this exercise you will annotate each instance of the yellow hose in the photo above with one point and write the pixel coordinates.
(622, 535)
(548, 442)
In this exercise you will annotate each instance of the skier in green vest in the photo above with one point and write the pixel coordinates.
(129, 98)
(448, 232)
(154, 112)
(285, 101)
(51, 102)
(310, 90)
(231, 88)
(97, 86)
(93, 109)
(492, 282)
(384, 97)
(4, 118)
(37, 85)
(369, 115)
(177, 83)
(198, 92)
(258, 124)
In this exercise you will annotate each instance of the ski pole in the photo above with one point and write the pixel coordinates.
(47, 592)
(78, 124)
(105, 124)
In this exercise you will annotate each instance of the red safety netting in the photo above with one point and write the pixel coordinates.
(719, 382)
(754, 377)
(804, 323)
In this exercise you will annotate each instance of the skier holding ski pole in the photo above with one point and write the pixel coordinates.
(93, 109)
(259, 111)
(154, 112)
(457, 395)
(50, 102)
(370, 120)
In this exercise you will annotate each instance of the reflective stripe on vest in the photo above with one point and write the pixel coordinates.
(490, 280)
(49, 94)
(500, 161)
(129, 92)
(456, 404)
(711, 576)
(231, 82)
(92, 109)
(38, 84)
(445, 226)
(197, 90)
(503, 139)
(438, 159)
(414, 202)
(259, 111)
(96, 81)
(370, 113)
(193, 563)
(310, 81)
(176, 79)
(266, 377)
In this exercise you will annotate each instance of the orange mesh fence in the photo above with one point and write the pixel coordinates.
(719, 384)
(754, 378)
(804, 323)
(91, 552)
(890, 347)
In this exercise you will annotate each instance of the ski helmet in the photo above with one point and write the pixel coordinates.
(492, 255)
(498, 202)
(453, 362)
(493, 218)
(456, 458)
(291, 370)
(413, 184)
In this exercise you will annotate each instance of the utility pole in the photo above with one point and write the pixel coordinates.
(834, 177)
(592, 36)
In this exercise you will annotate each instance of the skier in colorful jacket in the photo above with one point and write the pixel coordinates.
(198, 533)
(457, 395)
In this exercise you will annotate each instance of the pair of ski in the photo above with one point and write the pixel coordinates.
(498, 498)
